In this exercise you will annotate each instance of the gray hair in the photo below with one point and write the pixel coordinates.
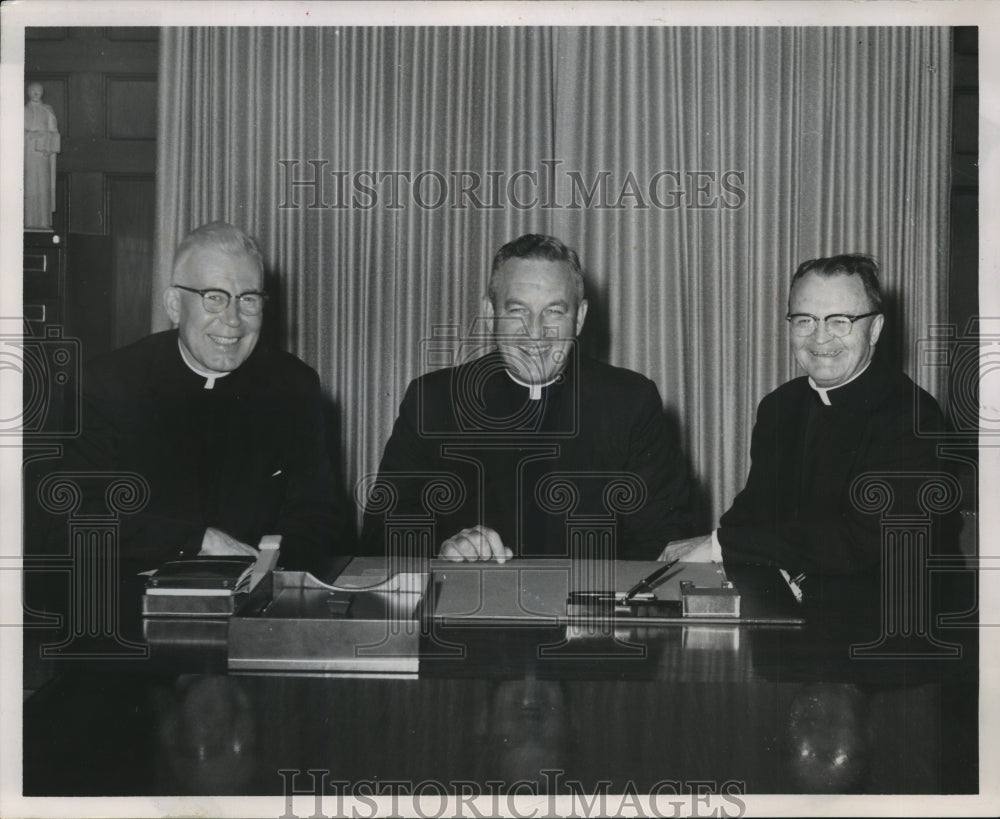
(221, 236)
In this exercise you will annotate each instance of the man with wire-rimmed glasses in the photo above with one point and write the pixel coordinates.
(851, 414)
(227, 432)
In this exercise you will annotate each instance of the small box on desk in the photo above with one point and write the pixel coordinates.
(306, 625)
(199, 587)
(709, 601)
(187, 605)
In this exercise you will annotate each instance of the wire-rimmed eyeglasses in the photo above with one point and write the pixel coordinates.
(837, 325)
(215, 300)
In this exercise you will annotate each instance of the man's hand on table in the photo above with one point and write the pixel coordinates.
(693, 550)
(217, 543)
(478, 543)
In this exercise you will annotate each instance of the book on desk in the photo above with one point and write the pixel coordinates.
(199, 587)
(209, 585)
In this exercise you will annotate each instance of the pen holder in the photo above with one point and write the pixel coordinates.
(699, 601)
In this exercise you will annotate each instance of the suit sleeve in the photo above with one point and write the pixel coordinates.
(654, 455)
(151, 535)
(749, 509)
(844, 541)
(405, 451)
(314, 520)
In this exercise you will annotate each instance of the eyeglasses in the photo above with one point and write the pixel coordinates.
(837, 325)
(215, 301)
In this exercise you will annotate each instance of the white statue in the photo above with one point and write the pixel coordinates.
(41, 144)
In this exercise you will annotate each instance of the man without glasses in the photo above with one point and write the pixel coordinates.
(533, 434)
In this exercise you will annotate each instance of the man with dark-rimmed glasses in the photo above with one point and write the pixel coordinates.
(227, 432)
(851, 414)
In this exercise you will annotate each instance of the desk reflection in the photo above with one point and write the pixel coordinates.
(206, 736)
(751, 709)
(524, 730)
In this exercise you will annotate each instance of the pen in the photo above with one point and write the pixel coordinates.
(646, 584)
(793, 583)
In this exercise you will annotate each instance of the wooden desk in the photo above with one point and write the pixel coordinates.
(766, 710)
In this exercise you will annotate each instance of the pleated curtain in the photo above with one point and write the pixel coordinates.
(692, 169)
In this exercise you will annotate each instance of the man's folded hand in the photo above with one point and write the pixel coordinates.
(693, 550)
(478, 543)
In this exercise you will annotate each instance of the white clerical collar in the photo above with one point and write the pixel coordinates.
(534, 390)
(206, 374)
(823, 391)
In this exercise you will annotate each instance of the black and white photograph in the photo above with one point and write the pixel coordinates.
(499, 409)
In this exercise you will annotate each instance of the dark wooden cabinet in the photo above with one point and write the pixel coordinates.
(69, 290)
(44, 279)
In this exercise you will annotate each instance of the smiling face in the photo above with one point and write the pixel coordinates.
(218, 342)
(831, 361)
(536, 317)
(528, 729)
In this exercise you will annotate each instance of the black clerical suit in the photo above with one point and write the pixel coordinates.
(593, 451)
(795, 510)
(247, 456)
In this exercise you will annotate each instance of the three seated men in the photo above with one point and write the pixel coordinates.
(537, 443)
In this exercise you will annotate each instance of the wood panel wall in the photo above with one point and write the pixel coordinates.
(102, 83)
